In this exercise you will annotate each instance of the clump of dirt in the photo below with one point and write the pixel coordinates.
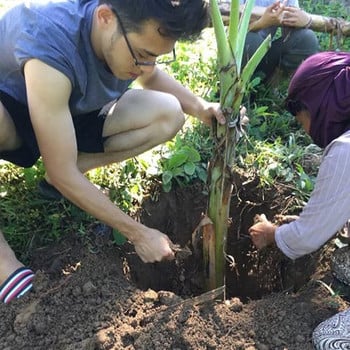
(92, 294)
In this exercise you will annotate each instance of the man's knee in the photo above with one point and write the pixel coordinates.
(9, 139)
(171, 117)
(302, 40)
(301, 44)
(309, 41)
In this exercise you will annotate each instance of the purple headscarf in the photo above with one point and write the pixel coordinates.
(322, 84)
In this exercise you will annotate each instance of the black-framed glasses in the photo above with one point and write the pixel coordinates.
(294, 106)
(143, 63)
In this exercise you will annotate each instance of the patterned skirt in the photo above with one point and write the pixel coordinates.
(333, 333)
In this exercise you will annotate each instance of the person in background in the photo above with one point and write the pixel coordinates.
(287, 51)
(319, 98)
(65, 72)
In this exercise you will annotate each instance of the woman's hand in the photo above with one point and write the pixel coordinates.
(263, 232)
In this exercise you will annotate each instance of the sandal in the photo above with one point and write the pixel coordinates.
(48, 191)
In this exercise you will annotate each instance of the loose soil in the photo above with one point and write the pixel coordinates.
(91, 294)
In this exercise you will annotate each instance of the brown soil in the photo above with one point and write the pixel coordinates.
(92, 294)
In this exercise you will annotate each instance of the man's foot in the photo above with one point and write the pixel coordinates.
(48, 191)
(16, 285)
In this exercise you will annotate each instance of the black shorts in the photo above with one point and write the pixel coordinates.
(88, 131)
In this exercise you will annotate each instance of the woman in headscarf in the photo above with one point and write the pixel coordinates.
(319, 98)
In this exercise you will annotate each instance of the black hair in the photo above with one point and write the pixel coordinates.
(178, 19)
(294, 106)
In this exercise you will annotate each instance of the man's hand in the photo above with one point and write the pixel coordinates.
(210, 110)
(295, 17)
(271, 17)
(153, 246)
(263, 232)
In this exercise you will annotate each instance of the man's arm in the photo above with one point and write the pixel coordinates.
(48, 93)
(190, 103)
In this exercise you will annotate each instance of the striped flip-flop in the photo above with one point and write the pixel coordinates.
(17, 284)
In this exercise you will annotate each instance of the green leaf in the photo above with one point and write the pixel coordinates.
(251, 65)
(166, 187)
(167, 176)
(178, 172)
(190, 168)
(224, 54)
(118, 238)
(233, 24)
(177, 159)
(242, 32)
(193, 155)
(202, 174)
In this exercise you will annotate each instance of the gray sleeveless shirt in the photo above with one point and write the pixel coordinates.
(56, 32)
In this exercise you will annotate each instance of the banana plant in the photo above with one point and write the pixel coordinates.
(233, 83)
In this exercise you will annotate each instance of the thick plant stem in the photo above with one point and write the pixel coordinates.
(220, 190)
(209, 262)
(232, 89)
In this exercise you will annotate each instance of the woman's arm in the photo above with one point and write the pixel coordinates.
(325, 213)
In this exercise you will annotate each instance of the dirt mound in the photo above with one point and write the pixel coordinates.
(92, 294)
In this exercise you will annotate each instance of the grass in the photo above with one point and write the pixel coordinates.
(274, 149)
